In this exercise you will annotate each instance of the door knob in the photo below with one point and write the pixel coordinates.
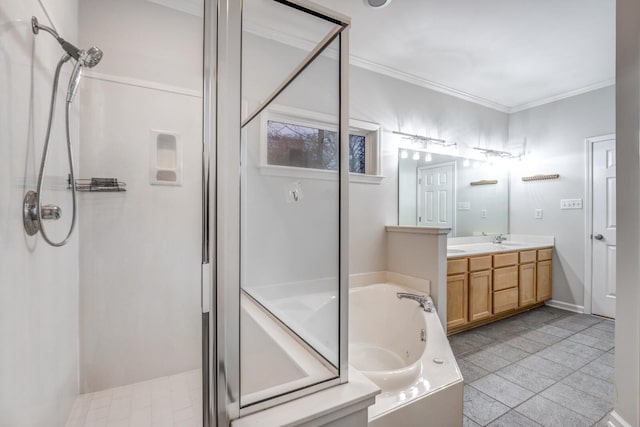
(598, 237)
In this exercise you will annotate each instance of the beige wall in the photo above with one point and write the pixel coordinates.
(627, 363)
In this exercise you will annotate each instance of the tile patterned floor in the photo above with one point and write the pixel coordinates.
(544, 367)
(174, 401)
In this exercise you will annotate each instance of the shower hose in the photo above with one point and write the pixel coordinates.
(45, 152)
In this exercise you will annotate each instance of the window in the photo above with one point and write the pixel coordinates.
(304, 142)
(299, 146)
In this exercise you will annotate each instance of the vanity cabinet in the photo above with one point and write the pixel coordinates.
(484, 288)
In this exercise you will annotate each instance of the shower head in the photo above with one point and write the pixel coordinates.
(89, 58)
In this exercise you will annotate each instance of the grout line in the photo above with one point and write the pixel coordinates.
(556, 381)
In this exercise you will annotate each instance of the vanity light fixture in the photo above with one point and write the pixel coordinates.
(404, 154)
(428, 157)
(423, 141)
(496, 154)
(416, 156)
(466, 163)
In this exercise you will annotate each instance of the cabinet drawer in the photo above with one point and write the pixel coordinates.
(504, 278)
(457, 266)
(503, 260)
(480, 263)
(505, 300)
(544, 254)
(527, 256)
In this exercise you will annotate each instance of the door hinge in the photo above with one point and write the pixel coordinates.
(419, 219)
(205, 281)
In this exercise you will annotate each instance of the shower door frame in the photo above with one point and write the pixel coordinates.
(208, 296)
(221, 213)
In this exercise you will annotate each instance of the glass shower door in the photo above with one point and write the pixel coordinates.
(282, 178)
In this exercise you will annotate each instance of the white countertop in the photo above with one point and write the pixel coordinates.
(472, 246)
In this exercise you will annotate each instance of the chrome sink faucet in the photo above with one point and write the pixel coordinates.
(424, 301)
(499, 239)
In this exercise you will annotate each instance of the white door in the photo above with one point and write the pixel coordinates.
(435, 196)
(603, 241)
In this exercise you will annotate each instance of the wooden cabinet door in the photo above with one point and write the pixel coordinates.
(479, 295)
(457, 302)
(543, 281)
(527, 285)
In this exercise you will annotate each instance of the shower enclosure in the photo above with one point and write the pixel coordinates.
(281, 275)
(224, 261)
(107, 328)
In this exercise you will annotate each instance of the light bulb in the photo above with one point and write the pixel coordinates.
(428, 157)
(404, 154)
(476, 164)
(466, 163)
(416, 156)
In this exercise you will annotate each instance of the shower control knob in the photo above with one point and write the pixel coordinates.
(50, 212)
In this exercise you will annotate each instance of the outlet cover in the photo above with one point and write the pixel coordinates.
(571, 204)
(538, 214)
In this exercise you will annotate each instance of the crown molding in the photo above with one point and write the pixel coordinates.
(569, 94)
(304, 44)
(428, 84)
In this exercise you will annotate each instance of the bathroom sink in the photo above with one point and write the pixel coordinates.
(512, 244)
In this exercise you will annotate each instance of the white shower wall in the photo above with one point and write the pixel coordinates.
(38, 283)
(140, 250)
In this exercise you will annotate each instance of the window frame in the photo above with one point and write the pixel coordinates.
(296, 116)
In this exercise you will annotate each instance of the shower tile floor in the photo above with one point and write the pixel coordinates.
(173, 401)
(544, 367)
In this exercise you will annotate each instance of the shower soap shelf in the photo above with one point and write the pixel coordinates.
(100, 185)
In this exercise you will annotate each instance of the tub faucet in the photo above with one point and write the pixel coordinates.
(499, 239)
(424, 301)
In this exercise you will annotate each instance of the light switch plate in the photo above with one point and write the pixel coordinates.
(464, 206)
(538, 214)
(571, 204)
(483, 213)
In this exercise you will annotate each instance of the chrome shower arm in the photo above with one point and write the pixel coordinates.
(37, 26)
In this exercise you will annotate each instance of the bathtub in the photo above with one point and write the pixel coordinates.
(405, 352)
(272, 362)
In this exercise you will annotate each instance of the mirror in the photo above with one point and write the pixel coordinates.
(438, 190)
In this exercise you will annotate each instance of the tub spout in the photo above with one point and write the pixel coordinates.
(424, 301)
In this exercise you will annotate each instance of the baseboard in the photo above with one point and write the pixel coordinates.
(615, 420)
(565, 306)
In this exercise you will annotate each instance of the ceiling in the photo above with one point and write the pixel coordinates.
(506, 54)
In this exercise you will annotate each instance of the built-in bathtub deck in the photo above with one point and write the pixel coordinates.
(172, 401)
(544, 367)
